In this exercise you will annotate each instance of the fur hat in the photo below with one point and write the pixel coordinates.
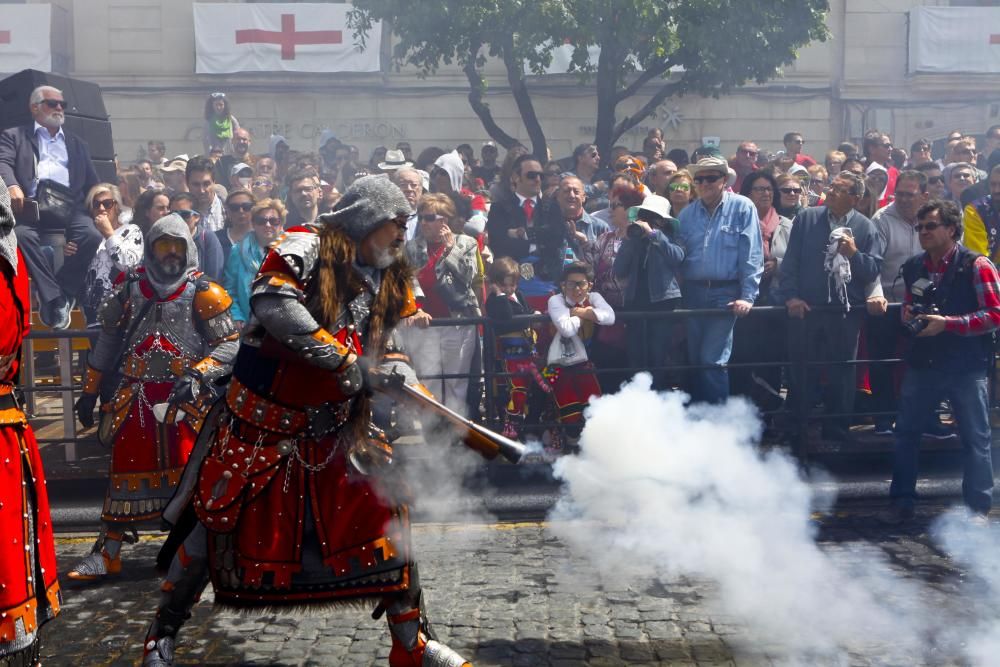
(368, 203)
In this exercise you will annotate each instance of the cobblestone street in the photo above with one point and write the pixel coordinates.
(503, 594)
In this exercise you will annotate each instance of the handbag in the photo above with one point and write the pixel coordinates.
(566, 351)
(56, 203)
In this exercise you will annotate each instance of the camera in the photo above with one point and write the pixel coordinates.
(635, 232)
(923, 291)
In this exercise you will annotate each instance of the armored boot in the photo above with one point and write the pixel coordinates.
(413, 643)
(181, 589)
(105, 558)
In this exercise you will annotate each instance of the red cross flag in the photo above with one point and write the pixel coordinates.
(279, 37)
(25, 38)
(955, 39)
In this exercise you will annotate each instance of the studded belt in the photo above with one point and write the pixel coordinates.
(155, 366)
(312, 421)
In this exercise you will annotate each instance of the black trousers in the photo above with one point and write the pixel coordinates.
(825, 337)
(883, 337)
(69, 279)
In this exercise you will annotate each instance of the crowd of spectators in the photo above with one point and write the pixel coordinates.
(644, 233)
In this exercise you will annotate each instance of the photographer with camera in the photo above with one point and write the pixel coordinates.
(647, 262)
(952, 294)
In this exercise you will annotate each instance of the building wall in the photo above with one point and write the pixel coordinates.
(142, 53)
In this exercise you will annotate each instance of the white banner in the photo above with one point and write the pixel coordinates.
(280, 37)
(25, 38)
(955, 39)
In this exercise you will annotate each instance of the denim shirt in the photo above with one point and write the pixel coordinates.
(725, 245)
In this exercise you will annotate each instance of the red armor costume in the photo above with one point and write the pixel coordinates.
(29, 591)
(164, 334)
(283, 502)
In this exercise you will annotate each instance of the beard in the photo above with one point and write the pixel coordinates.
(384, 257)
(54, 120)
(172, 265)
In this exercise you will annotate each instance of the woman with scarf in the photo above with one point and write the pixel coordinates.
(268, 221)
(761, 338)
(220, 124)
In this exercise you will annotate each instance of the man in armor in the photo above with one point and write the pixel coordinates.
(29, 590)
(166, 337)
(288, 499)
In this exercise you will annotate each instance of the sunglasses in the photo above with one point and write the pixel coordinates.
(533, 175)
(790, 191)
(106, 204)
(246, 207)
(54, 104)
(928, 226)
(935, 180)
(625, 166)
(711, 178)
(186, 213)
(262, 184)
(680, 187)
(270, 221)
(431, 217)
(886, 145)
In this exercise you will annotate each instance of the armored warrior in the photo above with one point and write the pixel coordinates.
(288, 499)
(166, 338)
(29, 591)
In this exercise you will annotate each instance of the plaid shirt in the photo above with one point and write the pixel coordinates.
(987, 284)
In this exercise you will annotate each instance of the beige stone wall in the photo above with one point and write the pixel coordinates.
(142, 52)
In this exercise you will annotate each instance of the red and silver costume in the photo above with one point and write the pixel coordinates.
(288, 498)
(29, 590)
(165, 339)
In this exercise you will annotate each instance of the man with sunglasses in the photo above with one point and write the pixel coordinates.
(517, 229)
(877, 147)
(743, 163)
(936, 188)
(950, 356)
(31, 158)
(291, 499)
(794, 143)
(809, 278)
(723, 264)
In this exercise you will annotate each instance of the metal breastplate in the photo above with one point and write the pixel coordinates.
(171, 321)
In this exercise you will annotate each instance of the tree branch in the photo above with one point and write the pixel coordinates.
(645, 77)
(476, 93)
(627, 123)
(518, 88)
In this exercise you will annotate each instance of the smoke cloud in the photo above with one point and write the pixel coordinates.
(663, 491)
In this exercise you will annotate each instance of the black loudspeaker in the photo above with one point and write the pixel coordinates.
(86, 116)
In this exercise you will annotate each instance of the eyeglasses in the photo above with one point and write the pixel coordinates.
(762, 189)
(106, 204)
(577, 284)
(710, 178)
(431, 217)
(532, 175)
(186, 213)
(790, 191)
(816, 181)
(927, 226)
(886, 145)
(270, 221)
(246, 207)
(749, 153)
(54, 104)
(935, 180)
(680, 187)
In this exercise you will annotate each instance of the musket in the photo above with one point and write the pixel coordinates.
(479, 438)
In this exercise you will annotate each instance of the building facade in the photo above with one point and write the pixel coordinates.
(142, 53)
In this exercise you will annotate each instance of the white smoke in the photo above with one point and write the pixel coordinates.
(661, 491)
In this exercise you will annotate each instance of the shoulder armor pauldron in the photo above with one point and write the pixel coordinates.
(210, 299)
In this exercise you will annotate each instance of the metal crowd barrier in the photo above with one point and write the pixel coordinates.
(68, 384)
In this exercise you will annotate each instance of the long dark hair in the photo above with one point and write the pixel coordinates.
(210, 109)
(142, 207)
(753, 176)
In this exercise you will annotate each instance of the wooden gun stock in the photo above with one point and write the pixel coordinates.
(479, 438)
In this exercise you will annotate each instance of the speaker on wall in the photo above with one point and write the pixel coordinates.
(86, 116)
